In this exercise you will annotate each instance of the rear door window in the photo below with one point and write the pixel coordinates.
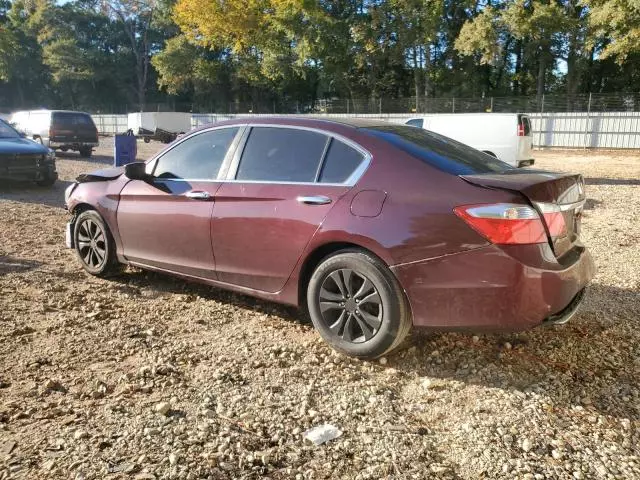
(198, 157)
(276, 154)
(439, 151)
(526, 124)
(340, 163)
(415, 122)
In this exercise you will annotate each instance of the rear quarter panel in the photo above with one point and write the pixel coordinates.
(417, 220)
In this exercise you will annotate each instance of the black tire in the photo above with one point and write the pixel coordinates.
(94, 245)
(146, 139)
(373, 306)
(48, 180)
(86, 152)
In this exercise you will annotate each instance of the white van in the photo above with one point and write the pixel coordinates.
(506, 136)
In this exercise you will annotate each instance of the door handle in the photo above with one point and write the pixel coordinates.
(198, 195)
(314, 200)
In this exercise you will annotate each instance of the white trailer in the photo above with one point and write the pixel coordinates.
(506, 136)
(163, 126)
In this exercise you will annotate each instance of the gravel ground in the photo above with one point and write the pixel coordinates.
(148, 377)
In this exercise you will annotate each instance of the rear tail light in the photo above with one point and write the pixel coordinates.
(504, 223)
(520, 129)
(554, 218)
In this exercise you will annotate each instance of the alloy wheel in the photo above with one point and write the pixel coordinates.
(350, 305)
(92, 245)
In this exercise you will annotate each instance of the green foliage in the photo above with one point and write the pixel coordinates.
(124, 54)
(617, 24)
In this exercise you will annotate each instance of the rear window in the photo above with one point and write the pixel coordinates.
(415, 122)
(340, 163)
(439, 151)
(526, 124)
(72, 119)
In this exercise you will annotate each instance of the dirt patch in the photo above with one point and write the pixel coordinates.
(145, 376)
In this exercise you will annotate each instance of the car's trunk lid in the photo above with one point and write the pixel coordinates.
(558, 197)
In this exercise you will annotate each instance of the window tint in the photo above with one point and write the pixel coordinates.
(197, 158)
(415, 122)
(281, 155)
(439, 151)
(340, 163)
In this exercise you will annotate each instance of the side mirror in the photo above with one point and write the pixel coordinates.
(136, 171)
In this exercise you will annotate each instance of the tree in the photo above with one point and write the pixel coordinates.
(618, 22)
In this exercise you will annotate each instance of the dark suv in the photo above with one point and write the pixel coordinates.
(59, 129)
(24, 159)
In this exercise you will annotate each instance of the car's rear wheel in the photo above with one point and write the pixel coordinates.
(86, 152)
(357, 305)
(94, 245)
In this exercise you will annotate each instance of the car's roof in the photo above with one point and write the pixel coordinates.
(310, 121)
(44, 110)
(474, 114)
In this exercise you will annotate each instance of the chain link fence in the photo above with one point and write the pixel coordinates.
(548, 103)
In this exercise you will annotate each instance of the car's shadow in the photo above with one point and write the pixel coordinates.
(570, 364)
(97, 159)
(611, 181)
(10, 264)
(29, 192)
(137, 280)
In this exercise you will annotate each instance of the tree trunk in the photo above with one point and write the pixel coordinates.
(416, 77)
(572, 74)
(517, 86)
(427, 70)
(542, 70)
(503, 66)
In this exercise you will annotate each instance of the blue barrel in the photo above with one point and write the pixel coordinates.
(125, 149)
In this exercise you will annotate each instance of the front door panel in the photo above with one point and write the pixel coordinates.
(260, 230)
(162, 226)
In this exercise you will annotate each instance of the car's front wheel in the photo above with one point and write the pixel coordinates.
(357, 305)
(94, 245)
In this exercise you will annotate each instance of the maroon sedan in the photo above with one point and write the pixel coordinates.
(371, 227)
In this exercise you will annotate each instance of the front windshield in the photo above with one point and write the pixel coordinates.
(7, 131)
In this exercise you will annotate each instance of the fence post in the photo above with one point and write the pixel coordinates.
(542, 104)
(586, 125)
(453, 104)
(491, 105)
(380, 105)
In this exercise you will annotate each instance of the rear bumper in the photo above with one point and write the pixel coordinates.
(72, 145)
(487, 289)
